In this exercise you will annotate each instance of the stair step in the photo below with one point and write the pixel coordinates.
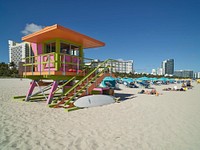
(80, 90)
(62, 105)
(70, 97)
(79, 94)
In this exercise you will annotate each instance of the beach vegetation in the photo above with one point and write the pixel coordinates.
(8, 70)
(138, 75)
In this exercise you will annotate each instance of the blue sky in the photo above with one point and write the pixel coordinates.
(146, 31)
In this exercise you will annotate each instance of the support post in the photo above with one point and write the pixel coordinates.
(53, 88)
(87, 87)
(32, 86)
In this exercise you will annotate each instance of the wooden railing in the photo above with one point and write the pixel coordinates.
(101, 68)
(54, 62)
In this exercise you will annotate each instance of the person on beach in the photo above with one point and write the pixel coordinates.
(152, 92)
(183, 85)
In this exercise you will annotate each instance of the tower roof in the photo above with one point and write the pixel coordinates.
(57, 31)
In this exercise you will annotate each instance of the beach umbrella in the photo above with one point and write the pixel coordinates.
(129, 80)
(109, 80)
(143, 79)
(163, 79)
(154, 79)
(172, 80)
(118, 79)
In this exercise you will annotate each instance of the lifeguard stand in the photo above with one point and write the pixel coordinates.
(59, 58)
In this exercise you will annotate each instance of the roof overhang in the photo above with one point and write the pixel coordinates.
(57, 31)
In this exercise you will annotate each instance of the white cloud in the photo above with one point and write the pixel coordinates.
(30, 28)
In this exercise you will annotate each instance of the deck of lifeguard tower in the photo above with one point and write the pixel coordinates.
(58, 57)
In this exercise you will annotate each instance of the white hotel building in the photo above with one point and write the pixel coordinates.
(122, 66)
(18, 51)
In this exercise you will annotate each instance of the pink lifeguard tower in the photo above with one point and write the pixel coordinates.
(58, 66)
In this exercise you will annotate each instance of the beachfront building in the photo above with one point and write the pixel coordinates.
(154, 72)
(168, 67)
(160, 71)
(122, 66)
(94, 63)
(197, 75)
(18, 51)
(184, 73)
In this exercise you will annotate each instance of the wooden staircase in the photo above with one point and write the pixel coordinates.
(80, 89)
(83, 87)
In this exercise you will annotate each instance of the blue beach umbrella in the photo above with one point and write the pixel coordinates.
(143, 79)
(109, 80)
(154, 79)
(164, 80)
(172, 80)
(129, 80)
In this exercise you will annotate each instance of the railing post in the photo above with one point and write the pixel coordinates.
(77, 65)
(32, 65)
(95, 77)
(40, 65)
(87, 87)
(49, 63)
(74, 88)
(64, 69)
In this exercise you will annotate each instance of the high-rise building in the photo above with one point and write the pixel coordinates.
(184, 73)
(18, 51)
(168, 66)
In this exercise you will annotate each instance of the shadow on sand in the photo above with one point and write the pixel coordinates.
(124, 96)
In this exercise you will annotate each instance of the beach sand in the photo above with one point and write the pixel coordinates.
(170, 121)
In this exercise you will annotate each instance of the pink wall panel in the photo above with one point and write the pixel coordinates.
(39, 49)
(34, 48)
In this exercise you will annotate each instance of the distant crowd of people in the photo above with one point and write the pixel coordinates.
(184, 87)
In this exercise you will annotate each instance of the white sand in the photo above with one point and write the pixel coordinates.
(142, 122)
